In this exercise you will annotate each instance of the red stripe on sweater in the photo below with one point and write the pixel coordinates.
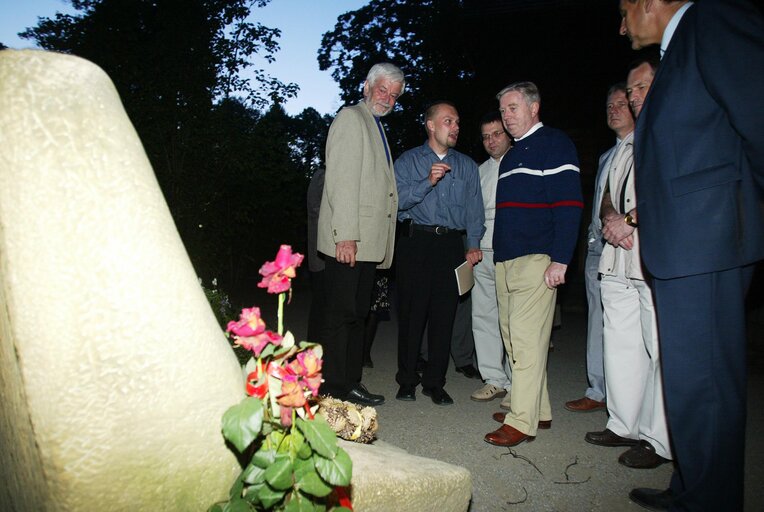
(512, 204)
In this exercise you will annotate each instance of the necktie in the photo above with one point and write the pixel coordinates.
(384, 142)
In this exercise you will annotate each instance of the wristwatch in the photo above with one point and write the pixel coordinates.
(630, 221)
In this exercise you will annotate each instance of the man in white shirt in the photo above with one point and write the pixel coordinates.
(489, 347)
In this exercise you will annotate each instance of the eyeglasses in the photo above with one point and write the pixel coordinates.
(495, 135)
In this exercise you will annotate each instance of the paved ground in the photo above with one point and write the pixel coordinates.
(559, 471)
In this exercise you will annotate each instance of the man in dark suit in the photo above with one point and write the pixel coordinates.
(699, 155)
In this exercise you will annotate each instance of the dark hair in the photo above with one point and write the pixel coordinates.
(490, 117)
(651, 58)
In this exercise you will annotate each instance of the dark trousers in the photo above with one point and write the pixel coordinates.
(701, 322)
(427, 295)
(347, 292)
(317, 301)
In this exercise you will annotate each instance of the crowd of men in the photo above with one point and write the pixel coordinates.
(676, 228)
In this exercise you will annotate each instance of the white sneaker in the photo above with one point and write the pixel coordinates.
(487, 393)
(506, 404)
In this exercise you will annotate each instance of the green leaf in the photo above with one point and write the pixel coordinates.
(238, 506)
(264, 457)
(252, 494)
(296, 441)
(279, 474)
(236, 489)
(253, 474)
(242, 422)
(217, 507)
(270, 496)
(305, 451)
(311, 483)
(337, 471)
(267, 351)
(300, 503)
(303, 467)
(320, 436)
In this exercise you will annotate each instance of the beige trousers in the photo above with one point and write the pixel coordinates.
(526, 310)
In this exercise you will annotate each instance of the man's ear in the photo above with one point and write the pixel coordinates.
(535, 106)
(429, 126)
(648, 5)
(365, 89)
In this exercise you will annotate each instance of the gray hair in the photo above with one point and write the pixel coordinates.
(386, 70)
(528, 89)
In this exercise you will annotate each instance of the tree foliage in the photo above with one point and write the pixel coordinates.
(467, 50)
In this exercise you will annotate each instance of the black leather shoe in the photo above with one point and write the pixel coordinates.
(608, 438)
(641, 456)
(361, 396)
(652, 499)
(468, 371)
(406, 393)
(438, 396)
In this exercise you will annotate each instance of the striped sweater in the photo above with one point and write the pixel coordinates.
(538, 198)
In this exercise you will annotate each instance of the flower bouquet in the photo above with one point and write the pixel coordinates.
(294, 461)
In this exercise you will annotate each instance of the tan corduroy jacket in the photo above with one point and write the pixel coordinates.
(360, 200)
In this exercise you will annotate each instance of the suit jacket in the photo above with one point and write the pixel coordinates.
(617, 261)
(360, 200)
(699, 145)
(594, 240)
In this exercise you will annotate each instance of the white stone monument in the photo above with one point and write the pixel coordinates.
(114, 374)
(113, 371)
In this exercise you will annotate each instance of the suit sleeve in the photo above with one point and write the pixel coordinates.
(730, 43)
(344, 159)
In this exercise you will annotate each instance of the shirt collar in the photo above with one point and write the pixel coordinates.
(671, 27)
(531, 131)
(619, 140)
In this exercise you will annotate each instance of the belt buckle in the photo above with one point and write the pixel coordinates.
(440, 230)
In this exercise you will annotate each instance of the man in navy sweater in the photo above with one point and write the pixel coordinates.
(538, 210)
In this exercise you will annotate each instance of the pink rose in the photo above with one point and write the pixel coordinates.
(258, 343)
(292, 394)
(278, 274)
(249, 324)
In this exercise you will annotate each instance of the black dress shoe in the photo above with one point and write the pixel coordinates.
(468, 371)
(652, 499)
(361, 396)
(438, 396)
(608, 438)
(406, 393)
(641, 456)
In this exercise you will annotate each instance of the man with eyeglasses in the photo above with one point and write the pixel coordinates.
(489, 348)
(356, 228)
(620, 120)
